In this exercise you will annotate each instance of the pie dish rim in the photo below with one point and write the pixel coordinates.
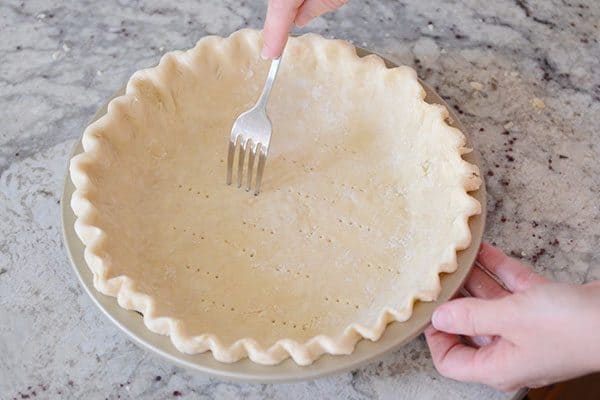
(301, 359)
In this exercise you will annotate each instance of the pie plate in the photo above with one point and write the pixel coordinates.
(395, 335)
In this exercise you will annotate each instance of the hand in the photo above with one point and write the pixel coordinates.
(531, 333)
(281, 14)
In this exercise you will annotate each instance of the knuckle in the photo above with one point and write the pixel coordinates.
(507, 386)
(501, 376)
(334, 4)
(498, 382)
(468, 319)
(444, 369)
(540, 383)
(500, 387)
(524, 277)
(528, 278)
(280, 5)
(440, 365)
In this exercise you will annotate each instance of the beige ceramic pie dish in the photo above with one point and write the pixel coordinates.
(337, 329)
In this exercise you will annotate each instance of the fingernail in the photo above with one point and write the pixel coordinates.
(263, 54)
(482, 341)
(441, 319)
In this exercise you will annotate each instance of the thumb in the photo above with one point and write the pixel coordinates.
(471, 316)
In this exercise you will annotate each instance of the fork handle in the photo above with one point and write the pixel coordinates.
(264, 96)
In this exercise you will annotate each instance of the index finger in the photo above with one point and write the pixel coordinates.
(516, 276)
(279, 20)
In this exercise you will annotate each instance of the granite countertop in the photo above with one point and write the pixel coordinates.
(523, 75)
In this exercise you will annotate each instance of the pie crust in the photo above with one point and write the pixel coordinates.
(363, 204)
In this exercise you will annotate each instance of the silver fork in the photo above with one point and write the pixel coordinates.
(252, 129)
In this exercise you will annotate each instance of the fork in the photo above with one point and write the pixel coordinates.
(252, 130)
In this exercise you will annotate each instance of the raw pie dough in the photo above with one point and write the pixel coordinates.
(364, 200)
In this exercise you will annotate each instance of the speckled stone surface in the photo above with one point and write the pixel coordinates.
(524, 75)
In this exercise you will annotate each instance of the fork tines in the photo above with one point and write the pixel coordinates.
(246, 146)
